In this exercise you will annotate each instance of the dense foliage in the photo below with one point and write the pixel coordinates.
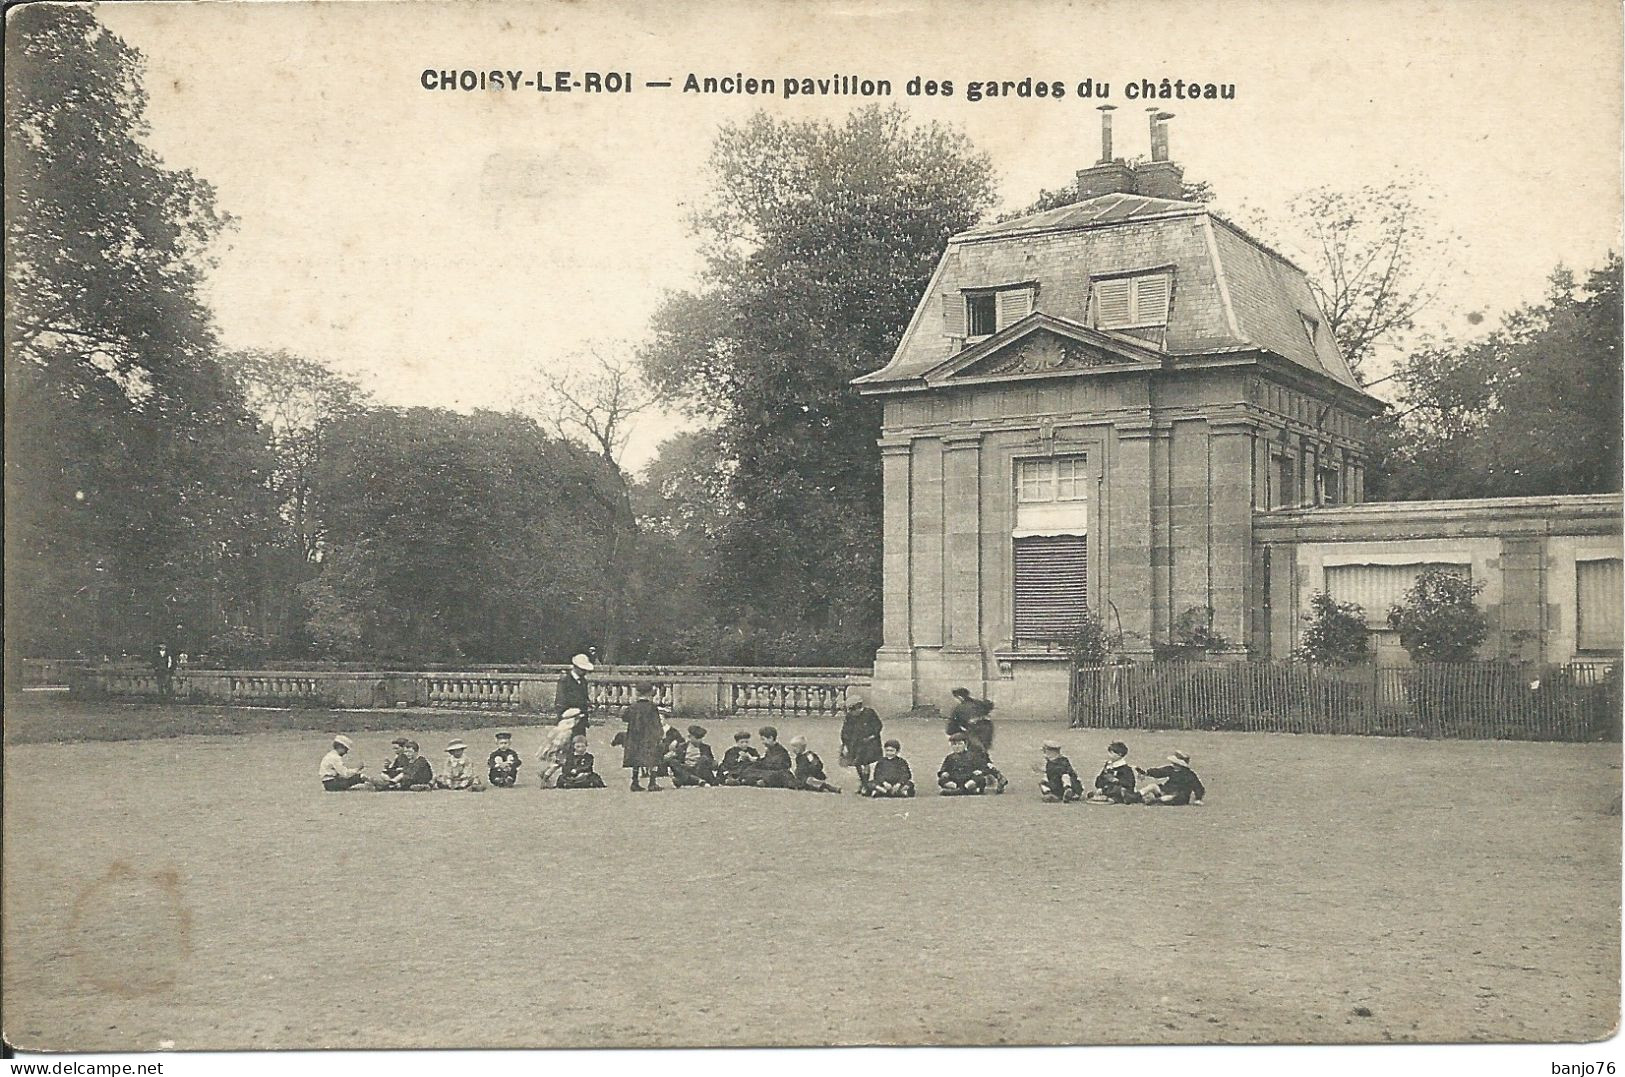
(1439, 620)
(1335, 633)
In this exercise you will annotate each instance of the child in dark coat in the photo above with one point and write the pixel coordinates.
(775, 769)
(892, 776)
(810, 769)
(1061, 783)
(1115, 782)
(693, 764)
(961, 774)
(578, 772)
(737, 760)
(1176, 783)
(502, 766)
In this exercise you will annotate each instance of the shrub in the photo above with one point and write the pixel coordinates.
(1336, 634)
(1439, 620)
(1193, 637)
(1090, 644)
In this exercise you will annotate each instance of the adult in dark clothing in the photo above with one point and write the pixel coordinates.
(1115, 782)
(970, 716)
(892, 776)
(775, 769)
(860, 740)
(164, 665)
(961, 774)
(737, 760)
(572, 693)
(1176, 783)
(415, 774)
(640, 751)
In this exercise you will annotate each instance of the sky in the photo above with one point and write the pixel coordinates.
(441, 246)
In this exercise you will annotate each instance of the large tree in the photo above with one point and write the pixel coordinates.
(819, 240)
(1531, 408)
(134, 475)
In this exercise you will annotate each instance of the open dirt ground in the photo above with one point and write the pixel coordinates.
(204, 891)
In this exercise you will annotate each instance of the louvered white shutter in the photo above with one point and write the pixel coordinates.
(1377, 588)
(1151, 300)
(1052, 590)
(1014, 305)
(1598, 586)
(953, 315)
(1112, 303)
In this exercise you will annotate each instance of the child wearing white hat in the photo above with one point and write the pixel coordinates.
(1176, 783)
(336, 776)
(458, 772)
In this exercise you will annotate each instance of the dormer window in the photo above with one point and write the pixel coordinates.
(1134, 302)
(974, 314)
(1309, 328)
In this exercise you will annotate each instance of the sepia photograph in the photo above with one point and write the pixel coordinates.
(1100, 520)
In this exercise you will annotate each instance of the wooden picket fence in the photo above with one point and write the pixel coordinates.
(1472, 700)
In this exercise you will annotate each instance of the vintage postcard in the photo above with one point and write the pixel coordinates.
(1100, 520)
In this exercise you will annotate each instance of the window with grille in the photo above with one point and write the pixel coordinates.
(1599, 606)
(1051, 585)
(1131, 302)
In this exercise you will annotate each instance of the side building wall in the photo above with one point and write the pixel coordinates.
(1545, 563)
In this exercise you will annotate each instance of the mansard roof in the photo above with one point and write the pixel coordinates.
(1230, 294)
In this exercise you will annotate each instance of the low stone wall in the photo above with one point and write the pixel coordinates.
(765, 692)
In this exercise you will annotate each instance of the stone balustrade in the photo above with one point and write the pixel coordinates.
(768, 692)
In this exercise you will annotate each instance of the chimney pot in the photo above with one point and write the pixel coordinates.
(1106, 133)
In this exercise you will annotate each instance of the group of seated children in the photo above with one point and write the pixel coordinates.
(1118, 781)
(405, 771)
(968, 770)
(691, 763)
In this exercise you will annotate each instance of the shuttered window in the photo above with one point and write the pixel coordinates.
(1014, 305)
(1130, 302)
(1052, 590)
(1600, 604)
(1379, 587)
(953, 315)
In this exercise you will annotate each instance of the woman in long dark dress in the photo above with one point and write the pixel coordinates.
(641, 745)
(860, 740)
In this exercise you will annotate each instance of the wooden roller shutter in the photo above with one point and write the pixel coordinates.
(1052, 589)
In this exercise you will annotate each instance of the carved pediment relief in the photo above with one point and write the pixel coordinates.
(1044, 353)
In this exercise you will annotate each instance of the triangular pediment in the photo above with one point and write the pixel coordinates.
(1041, 345)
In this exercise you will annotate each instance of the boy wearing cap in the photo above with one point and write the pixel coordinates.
(809, 772)
(774, 770)
(336, 777)
(578, 770)
(860, 740)
(693, 763)
(1115, 782)
(1061, 783)
(458, 772)
(960, 774)
(640, 747)
(1176, 783)
(736, 760)
(502, 767)
(892, 776)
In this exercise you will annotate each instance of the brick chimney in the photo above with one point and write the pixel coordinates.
(1159, 177)
(1109, 175)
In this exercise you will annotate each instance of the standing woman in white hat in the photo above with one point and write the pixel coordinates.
(572, 693)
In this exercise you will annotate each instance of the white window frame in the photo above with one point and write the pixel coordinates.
(1042, 479)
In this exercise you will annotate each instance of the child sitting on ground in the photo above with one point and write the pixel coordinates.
(1061, 783)
(1115, 782)
(1176, 784)
(892, 776)
(773, 770)
(578, 772)
(335, 774)
(502, 768)
(694, 764)
(961, 773)
(810, 769)
(415, 774)
(737, 760)
(458, 772)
